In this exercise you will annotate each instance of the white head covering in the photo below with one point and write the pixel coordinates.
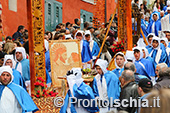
(9, 57)
(168, 2)
(119, 53)
(166, 41)
(7, 69)
(87, 32)
(129, 55)
(158, 39)
(77, 72)
(146, 52)
(148, 36)
(103, 64)
(46, 45)
(141, 52)
(157, 16)
(68, 36)
(22, 50)
(79, 31)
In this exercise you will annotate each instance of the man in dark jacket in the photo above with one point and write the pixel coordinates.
(128, 90)
(18, 35)
(164, 79)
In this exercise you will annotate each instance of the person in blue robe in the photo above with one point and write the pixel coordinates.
(146, 64)
(120, 60)
(157, 52)
(154, 25)
(86, 54)
(149, 40)
(14, 99)
(146, 56)
(9, 60)
(104, 83)
(47, 56)
(165, 42)
(79, 90)
(154, 12)
(167, 5)
(94, 48)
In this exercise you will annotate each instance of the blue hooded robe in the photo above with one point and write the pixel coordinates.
(157, 27)
(22, 96)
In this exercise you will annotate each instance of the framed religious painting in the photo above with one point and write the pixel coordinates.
(64, 55)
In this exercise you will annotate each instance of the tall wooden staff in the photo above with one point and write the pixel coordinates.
(101, 48)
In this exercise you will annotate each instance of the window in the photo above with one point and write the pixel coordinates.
(85, 17)
(53, 14)
(12, 5)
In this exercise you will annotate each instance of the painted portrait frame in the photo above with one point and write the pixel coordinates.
(60, 66)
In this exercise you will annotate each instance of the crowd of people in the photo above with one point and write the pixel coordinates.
(137, 73)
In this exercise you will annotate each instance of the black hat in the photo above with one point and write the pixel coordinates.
(145, 83)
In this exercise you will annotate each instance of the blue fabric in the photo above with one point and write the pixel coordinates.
(25, 69)
(169, 45)
(163, 58)
(141, 70)
(95, 49)
(118, 71)
(86, 54)
(47, 61)
(151, 60)
(82, 92)
(144, 29)
(48, 78)
(112, 86)
(165, 8)
(149, 67)
(22, 96)
(66, 103)
(157, 27)
(18, 79)
(148, 48)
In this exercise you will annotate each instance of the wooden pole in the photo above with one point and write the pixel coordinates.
(144, 38)
(35, 15)
(129, 25)
(101, 48)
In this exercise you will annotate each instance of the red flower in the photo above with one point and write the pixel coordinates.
(37, 96)
(36, 83)
(38, 91)
(39, 78)
(42, 84)
(44, 90)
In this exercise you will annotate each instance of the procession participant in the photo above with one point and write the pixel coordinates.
(9, 60)
(14, 99)
(105, 85)
(119, 63)
(80, 91)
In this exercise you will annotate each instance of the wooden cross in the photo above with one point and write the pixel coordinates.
(35, 12)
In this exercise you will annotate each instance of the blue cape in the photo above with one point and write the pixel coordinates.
(118, 72)
(82, 92)
(18, 78)
(112, 82)
(86, 54)
(141, 70)
(157, 27)
(22, 96)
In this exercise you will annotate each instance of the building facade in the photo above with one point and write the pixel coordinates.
(14, 12)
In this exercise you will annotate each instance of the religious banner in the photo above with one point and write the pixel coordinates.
(64, 55)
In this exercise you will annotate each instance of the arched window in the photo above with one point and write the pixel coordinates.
(12, 5)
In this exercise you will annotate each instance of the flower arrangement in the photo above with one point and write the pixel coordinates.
(118, 46)
(41, 89)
